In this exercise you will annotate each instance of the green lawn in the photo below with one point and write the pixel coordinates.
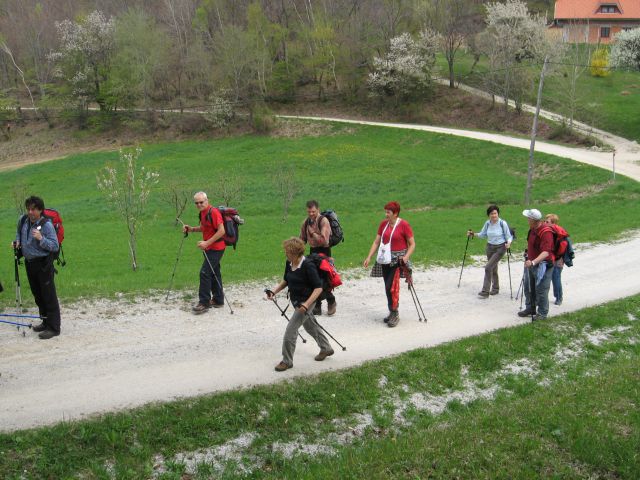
(553, 399)
(611, 103)
(443, 183)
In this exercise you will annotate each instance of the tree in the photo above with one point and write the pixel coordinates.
(405, 71)
(127, 189)
(454, 21)
(286, 183)
(577, 57)
(625, 52)
(85, 56)
(176, 195)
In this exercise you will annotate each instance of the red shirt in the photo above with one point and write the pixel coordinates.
(209, 228)
(401, 236)
(540, 240)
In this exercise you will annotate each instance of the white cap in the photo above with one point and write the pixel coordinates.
(533, 214)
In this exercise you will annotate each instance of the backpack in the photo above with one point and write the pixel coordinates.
(512, 231)
(562, 245)
(327, 270)
(337, 235)
(54, 217)
(231, 220)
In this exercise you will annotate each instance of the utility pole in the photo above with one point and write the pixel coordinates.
(534, 132)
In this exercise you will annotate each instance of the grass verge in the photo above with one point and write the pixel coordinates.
(552, 399)
(443, 183)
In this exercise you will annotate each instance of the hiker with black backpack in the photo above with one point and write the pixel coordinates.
(395, 244)
(316, 231)
(499, 238)
(302, 278)
(37, 242)
(210, 293)
(538, 266)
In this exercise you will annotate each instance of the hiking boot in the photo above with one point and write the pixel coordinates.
(322, 355)
(483, 294)
(331, 309)
(394, 318)
(199, 309)
(527, 312)
(281, 367)
(386, 319)
(47, 334)
(558, 301)
(494, 292)
(40, 328)
(538, 317)
(214, 304)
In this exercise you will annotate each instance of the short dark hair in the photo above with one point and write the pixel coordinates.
(35, 202)
(312, 203)
(491, 208)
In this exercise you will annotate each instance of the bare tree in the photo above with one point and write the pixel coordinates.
(284, 179)
(19, 193)
(229, 187)
(176, 195)
(127, 189)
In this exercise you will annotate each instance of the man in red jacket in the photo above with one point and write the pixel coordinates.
(212, 243)
(538, 266)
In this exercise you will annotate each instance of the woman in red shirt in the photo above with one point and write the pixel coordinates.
(395, 244)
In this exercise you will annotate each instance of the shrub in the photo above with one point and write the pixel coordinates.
(599, 66)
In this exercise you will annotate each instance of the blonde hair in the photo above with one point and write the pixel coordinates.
(553, 218)
(293, 247)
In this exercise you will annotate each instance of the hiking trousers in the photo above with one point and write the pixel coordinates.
(494, 255)
(308, 321)
(40, 272)
(539, 293)
(208, 283)
(556, 279)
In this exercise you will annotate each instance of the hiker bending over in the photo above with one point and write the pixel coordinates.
(538, 266)
(499, 239)
(303, 280)
(212, 244)
(556, 278)
(37, 240)
(394, 244)
(316, 231)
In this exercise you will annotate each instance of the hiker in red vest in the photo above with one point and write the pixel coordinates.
(316, 231)
(538, 266)
(552, 220)
(210, 293)
(36, 238)
(302, 279)
(395, 244)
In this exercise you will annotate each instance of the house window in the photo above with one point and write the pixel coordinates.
(609, 9)
(605, 32)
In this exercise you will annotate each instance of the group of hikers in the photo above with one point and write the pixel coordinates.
(393, 246)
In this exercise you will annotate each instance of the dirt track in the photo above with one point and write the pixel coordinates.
(119, 355)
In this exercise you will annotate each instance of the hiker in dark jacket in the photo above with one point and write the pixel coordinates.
(395, 244)
(316, 231)
(538, 266)
(305, 286)
(37, 239)
(499, 239)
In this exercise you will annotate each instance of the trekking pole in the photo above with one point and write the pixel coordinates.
(509, 266)
(22, 316)
(463, 259)
(283, 313)
(332, 337)
(520, 287)
(173, 274)
(216, 277)
(17, 324)
(16, 261)
(532, 295)
(412, 290)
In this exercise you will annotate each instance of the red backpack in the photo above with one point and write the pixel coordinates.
(231, 220)
(327, 270)
(560, 239)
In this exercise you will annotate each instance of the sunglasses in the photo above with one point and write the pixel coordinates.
(199, 203)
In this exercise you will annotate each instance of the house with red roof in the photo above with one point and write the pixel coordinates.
(595, 21)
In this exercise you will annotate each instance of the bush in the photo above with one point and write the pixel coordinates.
(262, 119)
(599, 66)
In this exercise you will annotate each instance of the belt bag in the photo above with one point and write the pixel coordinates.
(384, 250)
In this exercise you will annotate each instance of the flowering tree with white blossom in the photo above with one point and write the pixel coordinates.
(127, 189)
(405, 71)
(625, 52)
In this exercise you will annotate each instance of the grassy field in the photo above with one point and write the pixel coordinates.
(554, 399)
(610, 103)
(443, 183)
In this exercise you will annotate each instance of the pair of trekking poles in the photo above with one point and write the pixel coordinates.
(175, 266)
(508, 265)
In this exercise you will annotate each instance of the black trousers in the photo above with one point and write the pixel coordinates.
(211, 283)
(388, 273)
(325, 295)
(40, 273)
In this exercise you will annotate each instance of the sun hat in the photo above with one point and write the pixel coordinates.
(533, 214)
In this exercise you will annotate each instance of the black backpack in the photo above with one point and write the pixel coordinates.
(337, 235)
(512, 231)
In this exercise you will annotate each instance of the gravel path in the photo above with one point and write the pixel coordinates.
(116, 355)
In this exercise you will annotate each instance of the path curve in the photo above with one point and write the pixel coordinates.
(117, 355)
